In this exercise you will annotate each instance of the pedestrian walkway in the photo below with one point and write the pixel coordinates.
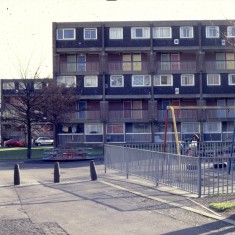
(78, 205)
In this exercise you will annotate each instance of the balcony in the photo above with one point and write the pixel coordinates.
(79, 68)
(128, 115)
(127, 67)
(197, 115)
(220, 65)
(176, 66)
(89, 115)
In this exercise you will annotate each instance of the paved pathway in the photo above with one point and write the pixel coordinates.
(110, 205)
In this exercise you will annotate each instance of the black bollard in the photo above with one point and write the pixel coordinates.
(57, 172)
(16, 175)
(93, 171)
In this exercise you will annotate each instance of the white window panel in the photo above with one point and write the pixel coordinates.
(22, 86)
(141, 80)
(66, 34)
(231, 79)
(186, 32)
(116, 81)
(163, 80)
(115, 128)
(162, 32)
(37, 85)
(116, 33)
(90, 33)
(93, 128)
(231, 31)
(212, 127)
(212, 31)
(190, 127)
(187, 80)
(8, 85)
(140, 32)
(213, 79)
(68, 81)
(90, 81)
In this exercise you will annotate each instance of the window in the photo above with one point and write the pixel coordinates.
(90, 81)
(213, 79)
(131, 62)
(190, 127)
(162, 32)
(187, 80)
(8, 85)
(68, 81)
(116, 81)
(66, 34)
(94, 129)
(212, 31)
(115, 33)
(90, 34)
(170, 62)
(140, 32)
(186, 32)
(212, 127)
(231, 31)
(22, 86)
(115, 129)
(141, 80)
(231, 79)
(37, 85)
(163, 80)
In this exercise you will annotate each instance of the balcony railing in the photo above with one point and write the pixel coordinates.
(180, 66)
(220, 65)
(83, 68)
(132, 114)
(120, 67)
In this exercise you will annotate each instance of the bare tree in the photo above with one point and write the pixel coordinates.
(39, 101)
(59, 105)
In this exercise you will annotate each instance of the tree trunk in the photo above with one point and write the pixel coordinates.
(29, 142)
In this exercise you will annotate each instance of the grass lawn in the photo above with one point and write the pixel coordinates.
(37, 152)
(21, 153)
(222, 206)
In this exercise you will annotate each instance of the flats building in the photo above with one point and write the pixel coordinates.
(127, 73)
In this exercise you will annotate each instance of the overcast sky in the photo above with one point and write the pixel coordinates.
(26, 25)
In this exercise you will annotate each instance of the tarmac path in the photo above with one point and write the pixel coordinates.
(110, 205)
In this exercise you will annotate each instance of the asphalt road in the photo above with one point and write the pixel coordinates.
(110, 205)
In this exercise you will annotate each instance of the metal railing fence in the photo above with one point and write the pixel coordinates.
(198, 175)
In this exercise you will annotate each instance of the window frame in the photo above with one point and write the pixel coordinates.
(37, 85)
(159, 77)
(183, 78)
(95, 77)
(63, 34)
(89, 38)
(112, 126)
(8, 86)
(67, 84)
(190, 32)
(144, 77)
(208, 28)
(230, 83)
(212, 127)
(229, 30)
(208, 78)
(115, 35)
(89, 126)
(145, 33)
(122, 80)
(158, 34)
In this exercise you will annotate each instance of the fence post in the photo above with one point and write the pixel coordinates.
(125, 158)
(199, 179)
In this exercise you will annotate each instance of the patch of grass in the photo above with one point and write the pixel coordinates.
(21, 153)
(222, 206)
